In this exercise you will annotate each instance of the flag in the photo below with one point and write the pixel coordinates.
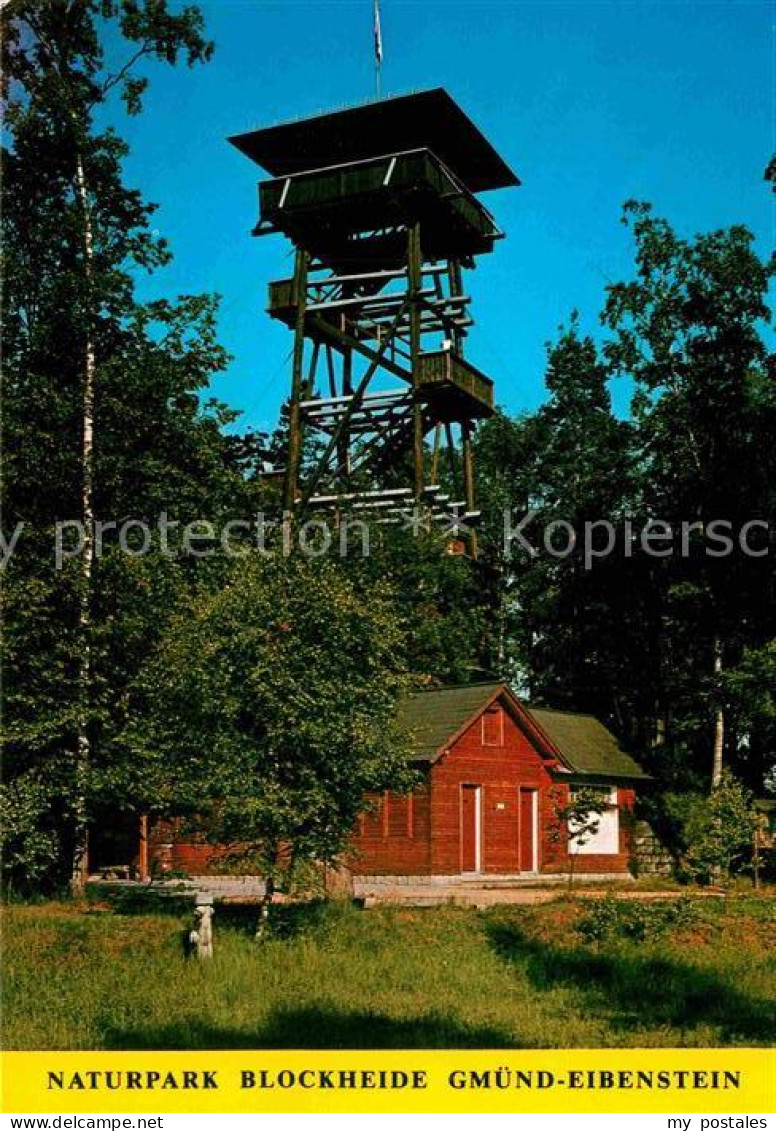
(378, 35)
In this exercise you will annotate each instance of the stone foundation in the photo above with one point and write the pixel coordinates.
(650, 857)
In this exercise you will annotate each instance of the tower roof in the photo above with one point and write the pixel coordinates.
(429, 119)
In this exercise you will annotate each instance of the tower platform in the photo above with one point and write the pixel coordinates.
(347, 213)
(381, 204)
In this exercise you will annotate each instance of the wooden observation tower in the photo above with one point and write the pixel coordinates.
(380, 202)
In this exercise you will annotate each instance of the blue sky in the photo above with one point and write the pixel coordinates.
(591, 104)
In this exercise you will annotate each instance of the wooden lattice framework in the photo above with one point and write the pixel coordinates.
(383, 232)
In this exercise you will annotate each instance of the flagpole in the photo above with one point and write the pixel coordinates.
(378, 41)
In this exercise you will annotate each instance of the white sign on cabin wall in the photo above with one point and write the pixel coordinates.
(606, 840)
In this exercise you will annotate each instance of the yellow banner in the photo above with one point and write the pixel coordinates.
(507, 1080)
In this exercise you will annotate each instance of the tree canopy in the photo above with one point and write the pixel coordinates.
(670, 644)
(260, 690)
(103, 410)
(269, 710)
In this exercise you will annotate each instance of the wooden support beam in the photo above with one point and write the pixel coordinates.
(371, 331)
(468, 476)
(363, 418)
(143, 865)
(455, 282)
(400, 430)
(394, 437)
(373, 276)
(414, 277)
(294, 416)
(435, 456)
(330, 368)
(363, 426)
(364, 496)
(430, 317)
(344, 460)
(343, 339)
(309, 386)
(347, 372)
(440, 292)
(468, 464)
(383, 302)
(451, 455)
(355, 403)
(387, 396)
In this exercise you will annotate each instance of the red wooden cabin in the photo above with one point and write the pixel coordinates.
(494, 775)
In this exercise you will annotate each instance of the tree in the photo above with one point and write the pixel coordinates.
(719, 830)
(688, 330)
(506, 454)
(749, 689)
(101, 406)
(567, 615)
(671, 649)
(576, 820)
(440, 599)
(269, 711)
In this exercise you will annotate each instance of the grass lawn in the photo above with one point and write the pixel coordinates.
(334, 976)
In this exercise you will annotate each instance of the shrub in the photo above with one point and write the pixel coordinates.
(719, 831)
(30, 845)
(639, 921)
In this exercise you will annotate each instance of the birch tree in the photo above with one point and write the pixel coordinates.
(73, 233)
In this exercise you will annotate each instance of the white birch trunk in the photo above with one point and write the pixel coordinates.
(84, 752)
(719, 724)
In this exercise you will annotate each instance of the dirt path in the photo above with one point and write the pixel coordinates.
(250, 890)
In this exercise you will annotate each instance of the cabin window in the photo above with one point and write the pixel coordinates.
(605, 841)
(493, 727)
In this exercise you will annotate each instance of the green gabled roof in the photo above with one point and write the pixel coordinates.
(582, 744)
(435, 717)
(586, 745)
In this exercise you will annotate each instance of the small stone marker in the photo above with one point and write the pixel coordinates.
(201, 938)
(263, 923)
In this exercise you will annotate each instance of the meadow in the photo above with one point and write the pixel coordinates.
(564, 974)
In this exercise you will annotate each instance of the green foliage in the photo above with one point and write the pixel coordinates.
(577, 819)
(30, 842)
(637, 920)
(750, 688)
(667, 649)
(719, 831)
(569, 633)
(269, 709)
(688, 329)
(442, 601)
(157, 446)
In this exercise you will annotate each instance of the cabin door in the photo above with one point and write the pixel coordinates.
(471, 828)
(529, 822)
